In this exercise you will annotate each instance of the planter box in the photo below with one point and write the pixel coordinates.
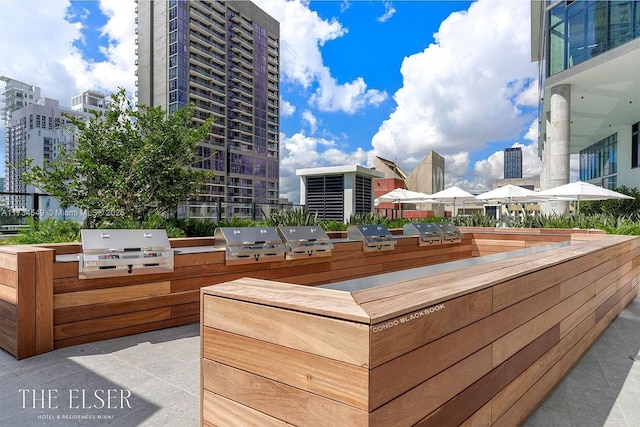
(480, 343)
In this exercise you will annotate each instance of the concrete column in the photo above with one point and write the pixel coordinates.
(557, 144)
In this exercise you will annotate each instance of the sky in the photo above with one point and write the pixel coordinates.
(359, 79)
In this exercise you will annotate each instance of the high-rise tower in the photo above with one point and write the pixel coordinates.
(222, 56)
(513, 163)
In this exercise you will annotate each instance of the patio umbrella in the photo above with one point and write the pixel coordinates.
(400, 195)
(451, 195)
(581, 190)
(510, 194)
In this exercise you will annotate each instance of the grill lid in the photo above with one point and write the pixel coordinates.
(374, 237)
(305, 241)
(118, 252)
(245, 245)
(451, 233)
(428, 233)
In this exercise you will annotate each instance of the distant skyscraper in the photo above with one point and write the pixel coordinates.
(222, 56)
(513, 163)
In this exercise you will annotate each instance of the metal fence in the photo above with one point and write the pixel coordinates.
(16, 207)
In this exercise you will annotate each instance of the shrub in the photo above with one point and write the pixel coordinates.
(289, 217)
(47, 231)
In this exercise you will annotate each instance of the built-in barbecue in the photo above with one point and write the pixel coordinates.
(117, 252)
(374, 237)
(428, 233)
(305, 241)
(248, 245)
(450, 233)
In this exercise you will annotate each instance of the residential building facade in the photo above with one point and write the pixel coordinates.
(512, 163)
(589, 53)
(37, 131)
(222, 56)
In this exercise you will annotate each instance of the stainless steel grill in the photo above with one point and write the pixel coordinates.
(450, 233)
(248, 245)
(374, 237)
(110, 253)
(428, 233)
(305, 241)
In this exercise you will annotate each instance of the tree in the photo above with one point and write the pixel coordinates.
(128, 163)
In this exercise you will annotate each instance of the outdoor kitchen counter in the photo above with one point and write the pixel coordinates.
(481, 344)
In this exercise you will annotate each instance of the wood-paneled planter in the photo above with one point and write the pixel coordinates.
(482, 345)
(44, 305)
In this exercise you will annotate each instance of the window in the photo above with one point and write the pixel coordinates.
(600, 159)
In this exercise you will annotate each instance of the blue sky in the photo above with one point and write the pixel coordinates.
(395, 79)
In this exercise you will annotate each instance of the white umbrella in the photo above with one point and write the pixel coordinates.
(451, 195)
(400, 195)
(581, 190)
(511, 194)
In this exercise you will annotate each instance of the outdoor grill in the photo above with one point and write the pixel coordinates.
(374, 237)
(248, 245)
(109, 253)
(305, 242)
(451, 233)
(428, 233)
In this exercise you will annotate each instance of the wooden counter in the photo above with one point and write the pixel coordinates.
(481, 345)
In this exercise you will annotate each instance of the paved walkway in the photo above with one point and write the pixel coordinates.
(153, 379)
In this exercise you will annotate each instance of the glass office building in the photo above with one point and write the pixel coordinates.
(589, 55)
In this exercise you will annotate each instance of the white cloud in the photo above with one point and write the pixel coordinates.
(286, 108)
(311, 120)
(301, 152)
(389, 11)
(302, 33)
(467, 89)
(45, 56)
(348, 97)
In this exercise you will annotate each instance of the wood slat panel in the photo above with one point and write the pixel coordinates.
(480, 418)
(402, 334)
(270, 397)
(325, 302)
(538, 281)
(8, 310)
(9, 344)
(8, 277)
(332, 338)
(463, 405)
(182, 310)
(382, 301)
(403, 373)
(8, 294)
(410, 407)
(65, 269)
(98, 296)
(76, 314)
(95, 326)
(44, 300)
(524, 406)
(8, 260)
(8, 327)
(26, 304)
(129, 330)
(221, 412)
(515, 340)
(514, 390)
(336, 380)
